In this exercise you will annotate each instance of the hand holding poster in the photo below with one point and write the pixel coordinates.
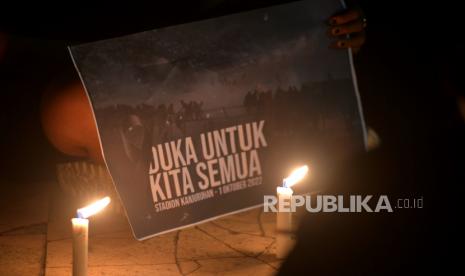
(201, 120)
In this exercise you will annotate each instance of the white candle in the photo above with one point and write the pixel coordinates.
(285, 237)
(80, 244)
(81, 235)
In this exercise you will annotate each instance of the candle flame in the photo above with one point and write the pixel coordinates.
(297, 175)
(93, 208)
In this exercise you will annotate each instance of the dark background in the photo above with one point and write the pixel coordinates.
(401, 67)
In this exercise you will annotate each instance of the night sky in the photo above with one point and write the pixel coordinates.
(263, 49)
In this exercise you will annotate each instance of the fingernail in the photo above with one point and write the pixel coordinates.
(336, 31)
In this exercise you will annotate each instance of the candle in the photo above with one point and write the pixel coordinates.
(285, 238)
(80, 243)
(81, 235)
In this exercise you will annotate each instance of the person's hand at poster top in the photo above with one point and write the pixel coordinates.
(348, 29)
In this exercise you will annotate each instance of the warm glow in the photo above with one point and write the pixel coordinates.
(93, 208)
(80, 222)
(284, 191)
(296, 176)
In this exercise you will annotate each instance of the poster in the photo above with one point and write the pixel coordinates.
(203, 119)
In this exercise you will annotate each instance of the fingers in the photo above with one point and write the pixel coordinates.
(348, 28)
(353, 27)
(345, 17)
(356, 41)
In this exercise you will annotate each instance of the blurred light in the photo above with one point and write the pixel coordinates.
(297, 175)
(93, 208)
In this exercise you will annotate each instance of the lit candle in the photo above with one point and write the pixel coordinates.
(285, 239)
(81, 235)
(80, 242)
